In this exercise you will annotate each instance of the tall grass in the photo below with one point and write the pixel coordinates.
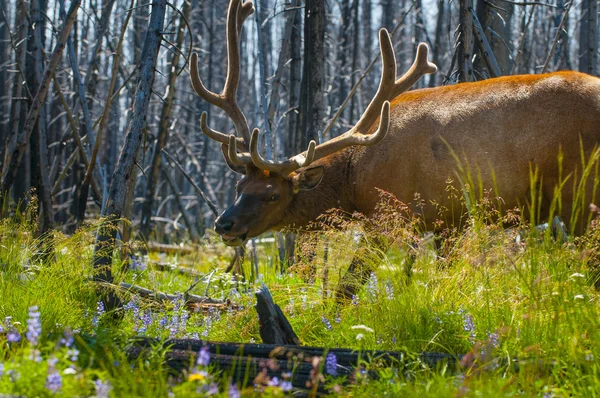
(517, 307)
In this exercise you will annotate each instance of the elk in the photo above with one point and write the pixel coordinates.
(407, 142)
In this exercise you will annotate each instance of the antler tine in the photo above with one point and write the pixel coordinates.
(285, 167)
(217, 135)
(237, 13)
(235, 158)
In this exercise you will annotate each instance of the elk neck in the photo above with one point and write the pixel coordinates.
(334, 191)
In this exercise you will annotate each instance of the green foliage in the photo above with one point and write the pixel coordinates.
(519, 306)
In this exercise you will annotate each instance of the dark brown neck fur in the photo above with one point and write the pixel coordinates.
(333, 192)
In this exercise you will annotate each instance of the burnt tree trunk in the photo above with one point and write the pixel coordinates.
(464, 42)
(312, 92)
(124, 171)
(163, 130)
(38, 102)
(588, 37)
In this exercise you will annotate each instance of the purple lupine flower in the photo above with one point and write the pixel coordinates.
(331, 364)
(286, 386)
(98, 314)
(338, 318)
(146, 322)
(494, 339)
(389, 290)
(469, 326)
(355, 300)
(274, 382)
(183, 320)
(1, 369)
(195, 336)
(394, 339)
(67, 340)
(102, 389)
(203, 357)
(131, 305)
(13, 335)
(163, 321)
(234, 391)
(326, 322)
(34, 326)
(73, 354)
(53, 381)
(138, 263)
(372, 286)
(174, 326)
(207, 326)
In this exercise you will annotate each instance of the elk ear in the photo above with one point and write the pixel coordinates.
(308, 179)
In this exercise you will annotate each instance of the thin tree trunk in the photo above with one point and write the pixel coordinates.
(124, 171)
(38, 101)
(163, 131)
(294, 85)
(312, 92)
(465, 42)
(588, 37)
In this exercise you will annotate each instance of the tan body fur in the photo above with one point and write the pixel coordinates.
(501, 124)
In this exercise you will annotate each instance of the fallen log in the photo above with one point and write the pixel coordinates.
(244, 362)
(193, 302)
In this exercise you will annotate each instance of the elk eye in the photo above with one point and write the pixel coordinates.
(274, 198)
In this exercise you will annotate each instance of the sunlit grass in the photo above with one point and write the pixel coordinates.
(516, 306)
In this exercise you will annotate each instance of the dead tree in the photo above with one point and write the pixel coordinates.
(105, 241)
(464, 41)
(588, 37)
(163, 130)
(312, 91)
(24, 136)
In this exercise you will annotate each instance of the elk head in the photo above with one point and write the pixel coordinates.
(268, 187)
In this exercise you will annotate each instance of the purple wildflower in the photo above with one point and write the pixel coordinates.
(1, 369)
(146, 322)
(372, 286)
(286, 386)
(102, 389)
(67, 340)
(13, 335)
(494, 339)
(73, 354)
(394, 339)
(326, 322)
(331, 364)
(355, 300)
(469, 326)
(138, 263)
(274, 382)
(53, 381)
(34, 327)
(389, 290)
(338, 318)
(98, 314)
(203, 357)
(234, 391)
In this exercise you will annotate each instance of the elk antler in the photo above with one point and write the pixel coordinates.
(236, 15)
(389, 88)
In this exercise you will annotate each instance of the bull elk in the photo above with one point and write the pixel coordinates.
(503, 126)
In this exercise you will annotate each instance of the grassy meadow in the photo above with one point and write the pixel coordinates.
(517, 304)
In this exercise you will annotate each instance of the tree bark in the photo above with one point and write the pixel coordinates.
(124, 170)
(465, 42)
(38, 101)
(163, 131)
(588, 37)
(312, 79)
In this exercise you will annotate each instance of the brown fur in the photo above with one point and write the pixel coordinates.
(503, 124)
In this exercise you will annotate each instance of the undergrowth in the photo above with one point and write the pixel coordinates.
(517, 306)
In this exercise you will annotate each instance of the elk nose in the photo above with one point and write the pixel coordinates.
(223, 226)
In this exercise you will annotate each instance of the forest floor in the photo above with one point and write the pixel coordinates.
(520, 308)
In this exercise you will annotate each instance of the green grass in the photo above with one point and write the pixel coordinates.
(492, 296)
